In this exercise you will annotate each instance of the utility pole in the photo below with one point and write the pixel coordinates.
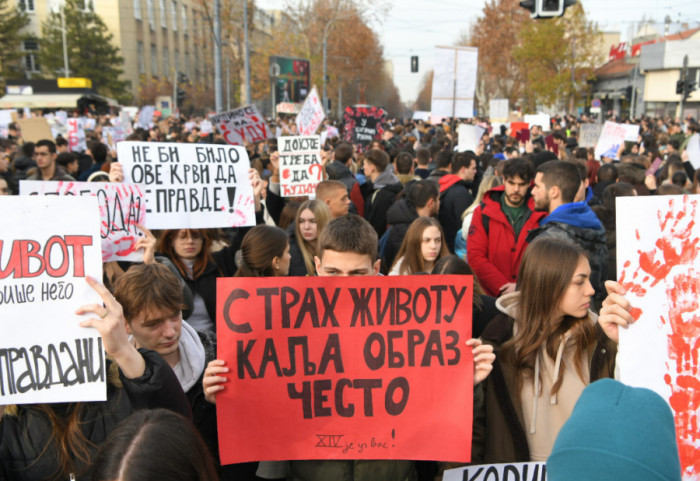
(66, 70)
(325, 43)
(218, 94)
(684, 79)
(247, 52)
(175, 93)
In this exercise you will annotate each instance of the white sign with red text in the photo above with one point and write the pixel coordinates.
(311, 115)
(242, 126)
(300, 165)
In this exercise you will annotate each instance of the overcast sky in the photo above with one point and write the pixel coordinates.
(415, 27)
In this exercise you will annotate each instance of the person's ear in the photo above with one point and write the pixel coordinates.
(554, 192)
(276, 263)
(377, 265)
(128, 329)
(317, 262)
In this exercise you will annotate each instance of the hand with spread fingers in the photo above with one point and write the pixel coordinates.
(616, 311)
(483, 359)
(110, 323)
(213, 381)
(148, 244)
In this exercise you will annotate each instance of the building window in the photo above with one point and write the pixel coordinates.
(187, 63)
(30, 60)
(142, 62)
(151, 14)
(177, 60)
(137, 9)
(163, 16)
(26, 5)
(184, 18)
(85, 6)
(154, 61)
(166, 62)
(173, 15)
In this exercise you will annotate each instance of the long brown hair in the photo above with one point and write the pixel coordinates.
(410, 254)
(322, 214)
(166, 246)
(545, 274)
(259, 247)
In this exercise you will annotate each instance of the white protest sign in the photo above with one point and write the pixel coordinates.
(300, 165)
(631, 132)
(543, 120)
(125, 121)
(122, 208)
(206, 127)
(589, 134)
(311, 114)
(658, 264)
(693, 149)
(611, 138)
(498, 110)
(89, 124)
(421, 115)
(146, 116)
(190, 185)
(498, 472)
(113, 135)
(76, 136)
(5, 121)
(469, 136)
(47, 248)
(242, 125)
(454, 82)
(189, 126)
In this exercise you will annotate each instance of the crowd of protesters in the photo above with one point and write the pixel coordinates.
(525, 215)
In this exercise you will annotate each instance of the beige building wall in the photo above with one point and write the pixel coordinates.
(660, 86)
(155, 37)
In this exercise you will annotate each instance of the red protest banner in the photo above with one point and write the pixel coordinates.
(345, 368)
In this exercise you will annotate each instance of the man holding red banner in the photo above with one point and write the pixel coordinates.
(348, 248)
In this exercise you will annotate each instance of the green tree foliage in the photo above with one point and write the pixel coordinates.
(558, 56)
(12, 21)
(91, 53)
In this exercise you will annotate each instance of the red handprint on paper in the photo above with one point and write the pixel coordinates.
(677, 246)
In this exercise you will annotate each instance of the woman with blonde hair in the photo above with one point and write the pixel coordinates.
(422, 247)
(487, 183)
(312, 216)
(548, 349)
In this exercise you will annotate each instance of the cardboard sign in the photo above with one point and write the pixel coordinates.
(589, 134)
(363, 125)
(76, 135)
(659, 266)
(190, 185)
(300, 165)
(35, 129)
(47, 247)
(468, 137)
(122, 208)
(241, 126)
(311, 114)
(343, 368)
(454, 82)
(498, 472)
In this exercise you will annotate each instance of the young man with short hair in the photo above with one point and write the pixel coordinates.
(381, 189)
(455, 195)
(335, 195)
(45, 157)
(499, 228)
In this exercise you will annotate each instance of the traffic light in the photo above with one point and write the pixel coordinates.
(414, 64)
(679, 86)
(181, 94)
(182, 78)
(688, 87)
(546, 8)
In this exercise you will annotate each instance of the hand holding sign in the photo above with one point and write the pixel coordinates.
(483, 359)
(111, 325)
(116, 173)
(616, 311)
(148, 244)
(213, 381)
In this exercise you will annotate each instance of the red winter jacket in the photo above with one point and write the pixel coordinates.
(495, 256)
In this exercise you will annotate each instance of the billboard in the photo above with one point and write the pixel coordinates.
(291, 79)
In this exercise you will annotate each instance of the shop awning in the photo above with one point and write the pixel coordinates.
(48, 101)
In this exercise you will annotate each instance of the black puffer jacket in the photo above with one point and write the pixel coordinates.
(399, 217)
(25, 432)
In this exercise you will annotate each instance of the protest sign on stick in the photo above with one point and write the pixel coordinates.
(612, 137)
(498, 472)
(300, 165)
(469, 136)
(244, 125)
(47, 248)
(311, 114)
(76, 135)
(35, 129)
(363, 125)
(693, 150)
(190, 185)
(658, 265)
(122, 208)
(341, 368)
(454, 82)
